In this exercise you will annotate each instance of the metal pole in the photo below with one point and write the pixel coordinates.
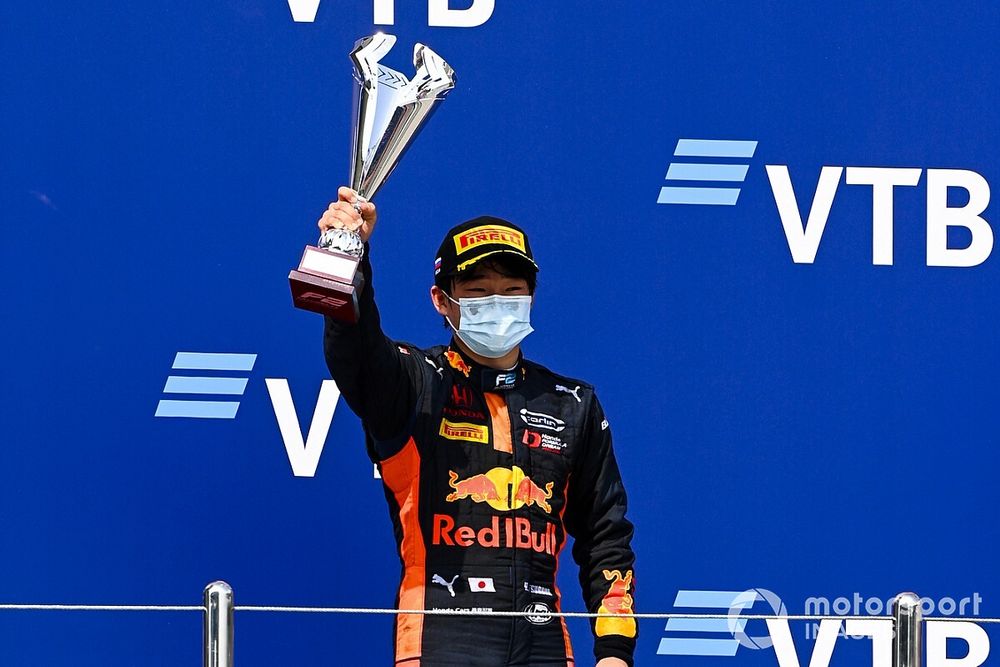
(218, 633)
(907, 647)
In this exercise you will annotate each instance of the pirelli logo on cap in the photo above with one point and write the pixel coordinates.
(489, 234)
(464, 431)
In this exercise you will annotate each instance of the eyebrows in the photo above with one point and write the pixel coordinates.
(499, 283)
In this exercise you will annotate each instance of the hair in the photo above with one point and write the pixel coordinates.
(509, 266)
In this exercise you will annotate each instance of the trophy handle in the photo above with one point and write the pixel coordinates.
(434, 77)
(365, 55)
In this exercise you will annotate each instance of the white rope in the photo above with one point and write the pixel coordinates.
(554, 614)
(469, 612)
(99, 607)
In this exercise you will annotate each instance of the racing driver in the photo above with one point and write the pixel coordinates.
(488, 461)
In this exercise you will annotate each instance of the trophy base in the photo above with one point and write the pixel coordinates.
(327, 283)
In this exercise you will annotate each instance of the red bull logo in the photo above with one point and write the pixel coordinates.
(479, 488)
(512, 533)
(617, 600)
(503, 489)
(529, 493)
(456, 361)
(489, 234)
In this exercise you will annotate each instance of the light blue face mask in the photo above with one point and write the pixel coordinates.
(494, 325)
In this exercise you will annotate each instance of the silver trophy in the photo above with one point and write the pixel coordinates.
(389, 111)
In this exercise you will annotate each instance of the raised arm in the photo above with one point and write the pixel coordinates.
(379, 379)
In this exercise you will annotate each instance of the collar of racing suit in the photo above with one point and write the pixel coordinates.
(489, 379)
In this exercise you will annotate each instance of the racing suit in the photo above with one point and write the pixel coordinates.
(485, 473)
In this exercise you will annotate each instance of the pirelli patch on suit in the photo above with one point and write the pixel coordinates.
(489, 234)
(464, 431)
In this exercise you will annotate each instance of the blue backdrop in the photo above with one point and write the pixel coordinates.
(818, 429)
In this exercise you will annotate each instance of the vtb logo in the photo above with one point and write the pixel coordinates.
(439, 13)
(224, 374)
(710, 183)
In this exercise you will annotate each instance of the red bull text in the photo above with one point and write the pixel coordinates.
(514, 533)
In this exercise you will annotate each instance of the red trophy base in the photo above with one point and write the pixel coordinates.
(327, 283)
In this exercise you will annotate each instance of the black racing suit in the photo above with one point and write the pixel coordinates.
(485, 473)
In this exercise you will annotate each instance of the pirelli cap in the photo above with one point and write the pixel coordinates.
(477, 239)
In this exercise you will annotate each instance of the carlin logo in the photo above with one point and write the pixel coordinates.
(489, 234)
(464, 431)
(542, 420)
(439, 14)
(538, 613)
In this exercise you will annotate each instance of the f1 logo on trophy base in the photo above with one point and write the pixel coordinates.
(389, 112)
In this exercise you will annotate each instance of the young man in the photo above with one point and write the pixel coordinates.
(488, 462)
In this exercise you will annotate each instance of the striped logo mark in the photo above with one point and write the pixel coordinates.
(201, 385)
(701, 636)
(711, 173)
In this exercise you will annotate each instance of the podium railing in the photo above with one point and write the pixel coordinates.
(219, 610)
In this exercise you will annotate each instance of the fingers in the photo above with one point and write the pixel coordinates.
(349, 212)
(340, 215)
(367, 210)
(344, 193)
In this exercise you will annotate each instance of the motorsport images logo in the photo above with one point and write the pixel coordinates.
(725, 635)
(706, 172)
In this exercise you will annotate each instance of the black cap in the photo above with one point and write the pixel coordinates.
(476, 239)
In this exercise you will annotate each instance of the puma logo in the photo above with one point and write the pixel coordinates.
(438, 579)
(573, 392)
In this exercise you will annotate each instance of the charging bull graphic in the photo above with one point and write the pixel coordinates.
(456, 361)
(502, 488)
(479, 488)
(616, 601)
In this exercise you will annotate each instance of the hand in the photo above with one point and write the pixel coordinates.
(343, 215)
(612, 662)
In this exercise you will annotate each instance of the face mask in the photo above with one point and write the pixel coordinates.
(492, 326)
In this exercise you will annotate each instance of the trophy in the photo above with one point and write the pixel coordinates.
(389, 111)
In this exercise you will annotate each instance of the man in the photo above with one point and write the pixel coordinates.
(488, 461)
